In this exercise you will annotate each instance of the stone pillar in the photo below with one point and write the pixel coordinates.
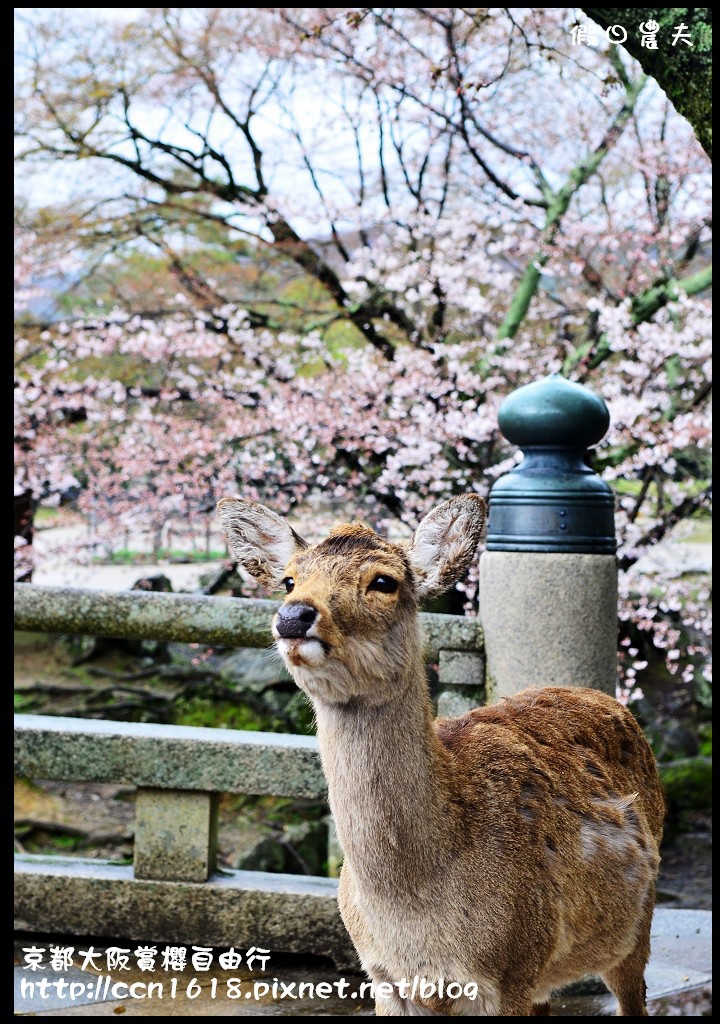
(461, 675)
(175, 834)
(548, 576)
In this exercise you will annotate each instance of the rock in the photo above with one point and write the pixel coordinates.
(307, 845)
(265, 855)
(672, 739)
(300, 850)
(251, 667)
(158, 584)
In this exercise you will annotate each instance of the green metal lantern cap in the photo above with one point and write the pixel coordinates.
(553, 411)
(553, 501)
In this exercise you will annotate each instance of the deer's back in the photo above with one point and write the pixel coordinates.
(561, 806)
(565, 772)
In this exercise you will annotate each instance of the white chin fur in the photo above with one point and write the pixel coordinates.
(298, 652)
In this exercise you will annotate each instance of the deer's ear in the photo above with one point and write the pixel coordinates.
(260, 539)
(444, 543)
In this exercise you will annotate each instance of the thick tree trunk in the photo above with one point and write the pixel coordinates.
(683, 72)
(24, 509)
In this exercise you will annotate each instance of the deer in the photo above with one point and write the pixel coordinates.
(510, 850)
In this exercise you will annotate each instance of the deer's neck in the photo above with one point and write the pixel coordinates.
(388, 784)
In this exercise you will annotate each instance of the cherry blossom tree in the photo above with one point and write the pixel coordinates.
(325, 246)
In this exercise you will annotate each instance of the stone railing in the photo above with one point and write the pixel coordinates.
(173, 891)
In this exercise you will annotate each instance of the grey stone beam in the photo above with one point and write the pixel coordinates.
(186, 618)
(451, 633)
(282, 913)
(135, 615)
(167, 756)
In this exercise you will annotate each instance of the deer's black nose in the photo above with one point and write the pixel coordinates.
(295, 619)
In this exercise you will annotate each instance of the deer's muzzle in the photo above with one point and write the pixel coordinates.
(294, 619)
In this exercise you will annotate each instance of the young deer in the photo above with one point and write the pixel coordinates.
(514, 848)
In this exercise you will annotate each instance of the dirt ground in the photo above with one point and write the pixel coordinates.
(685, 880)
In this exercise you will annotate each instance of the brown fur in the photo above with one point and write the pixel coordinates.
(514, 847)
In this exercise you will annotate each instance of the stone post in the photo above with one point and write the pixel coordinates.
(461, 674)
(548, 575)
(175, 834)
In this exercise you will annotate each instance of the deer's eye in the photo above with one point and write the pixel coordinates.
(385, 584)
(289, 584)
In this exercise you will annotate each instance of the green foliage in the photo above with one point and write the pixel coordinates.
(40, 841)
(299, 710)
(130, 370)
(200, 711)
(45, 516)
(705, 736)
(124, 556)
(688, 784)
(25, 641)
(21, 702)
(700, 532)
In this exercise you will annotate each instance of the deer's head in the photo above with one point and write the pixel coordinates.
(347, 626)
